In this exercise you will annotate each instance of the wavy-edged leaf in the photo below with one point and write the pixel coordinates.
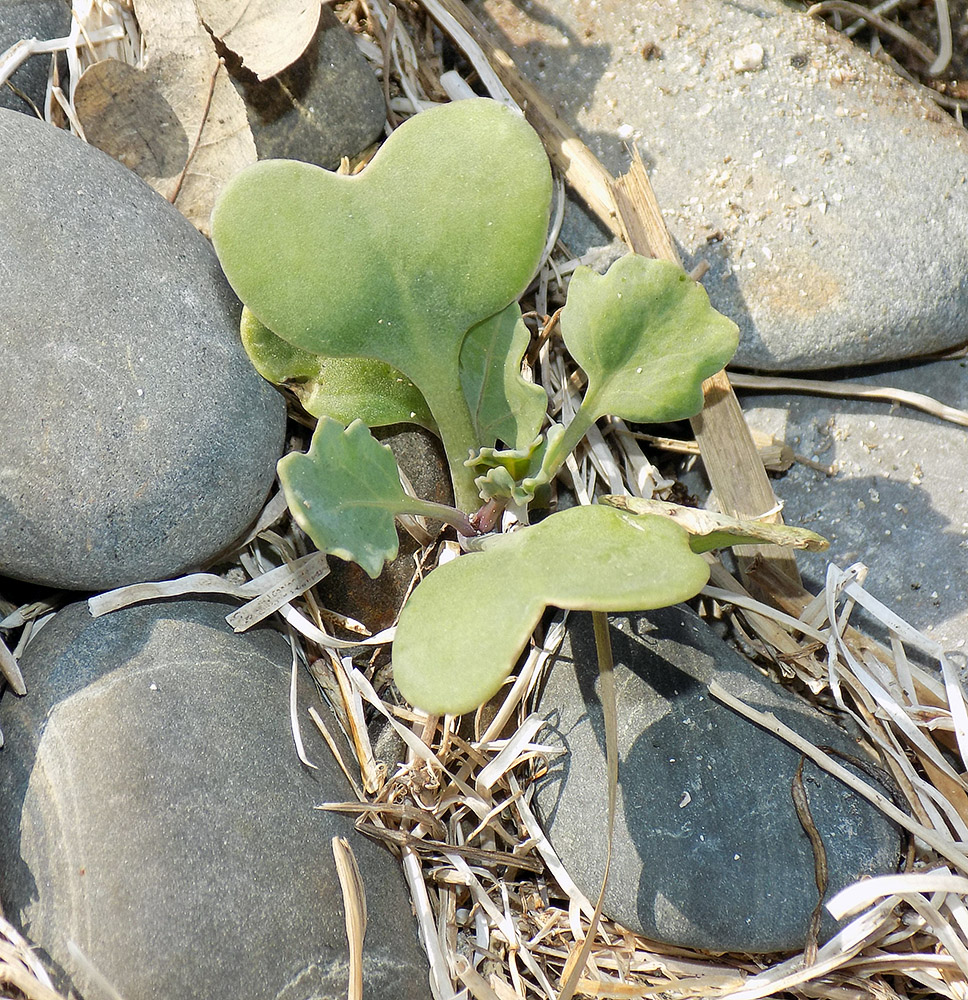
(646, 336)
(442, 229)
(517, 474)
(344, 493)
(345, 389)
(465, 625)
(504, 406)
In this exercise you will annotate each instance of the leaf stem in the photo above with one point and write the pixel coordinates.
(559, 450)
(441, 512)
(453, 416)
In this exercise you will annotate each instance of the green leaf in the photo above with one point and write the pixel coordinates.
(345, 389)
(709, 530)
(443, 228)
(516, 474)
(646, 336)
(465, 625)
(344, 493)
(504, 406)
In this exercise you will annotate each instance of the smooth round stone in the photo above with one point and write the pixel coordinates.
(139, 442)
(326, 105)
(708, 850)
(898, 501)
(828, 197)
(155, 813)
(21, 20)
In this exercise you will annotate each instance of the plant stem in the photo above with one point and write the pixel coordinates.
(569, 441)
(441, 512)
(453, 417)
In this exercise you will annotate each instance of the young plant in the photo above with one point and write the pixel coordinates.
(391, 295)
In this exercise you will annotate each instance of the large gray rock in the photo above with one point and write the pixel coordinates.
(21, 20)
(326, 105)
(829, 199)
(155, 814)
(708, 850)
(899, 499)
(138, 441)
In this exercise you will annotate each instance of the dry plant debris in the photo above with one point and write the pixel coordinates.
(499, 916)
(267, 35)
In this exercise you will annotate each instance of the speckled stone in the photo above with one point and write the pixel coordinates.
(829, 199)
(138, 441)
(155, 813)
(327, 105)
(708, 850)
(21, 20)
(898, 501)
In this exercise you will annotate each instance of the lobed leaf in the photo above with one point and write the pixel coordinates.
(345, 389)
(344, 493)
(646, 336)
(465, 625)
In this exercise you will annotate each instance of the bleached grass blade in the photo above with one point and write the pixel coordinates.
(841, 947)
(440, 983)
(10, 669)
(315, 634)
(472, 979)
(472, 50)
(860, 895)
(294, 707)
(137, 593)
(751, 604)
(507, 757)
(354, 910)
(302, 574)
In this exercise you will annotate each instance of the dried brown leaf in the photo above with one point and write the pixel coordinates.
(178, 122)
(267, 35)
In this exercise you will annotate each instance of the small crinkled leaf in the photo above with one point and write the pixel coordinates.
(345, 389)
(646, 336)
(267, 35)
(344, 493)
(516, 474)
(504, 405)
(442, 229)
(710, 530)
(465, 625)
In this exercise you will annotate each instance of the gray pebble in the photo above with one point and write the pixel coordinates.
(21, 20)
(829, 199)
(708, 851)
(156, 814)
(326, 105)
(138, 441)
(899, 499)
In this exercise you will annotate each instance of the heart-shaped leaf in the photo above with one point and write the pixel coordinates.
(466, 624)
(444, 228)
(646, 336)
(504, 406)
(345, 389)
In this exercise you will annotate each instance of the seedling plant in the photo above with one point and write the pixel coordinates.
(391, 296)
